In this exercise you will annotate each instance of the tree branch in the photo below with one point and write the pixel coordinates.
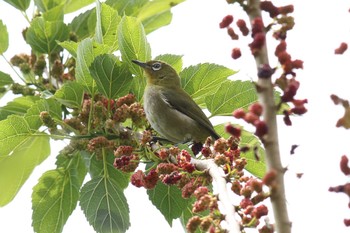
(266, 97)
(217, 174)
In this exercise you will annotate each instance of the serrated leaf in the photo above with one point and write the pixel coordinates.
(248, 139)
(4, 38)
(18, 106)
(80, 24)
(70, 46)
(20, 153)
(104, 205)
(96, 169)
(230, 96)
(113, 80)
(133, 45)
(86, 53)
(174, 60)
(168, 200)
(73, 5)
(51, 106)
(21, 5)
(203, 79)
(71, 94)
(42, 35)
(107, 25)
(5, 79)
(127, 7)
(56, 195)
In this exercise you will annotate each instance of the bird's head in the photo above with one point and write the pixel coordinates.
(159, 73)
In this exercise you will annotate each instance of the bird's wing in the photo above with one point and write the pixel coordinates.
(178, 99)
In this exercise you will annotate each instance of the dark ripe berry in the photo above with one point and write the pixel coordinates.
(347, 222)
(299, 110)
(256, 108)
(344, 166)
(265, 71)
(281, 47)
(286, 118)
(257, 26)
(232, 33)
(239, 113)
(226, 21)
(236, 53)
(341, 49)
(258, 42)
(242, 27)
(298, 64)
(270, 8)
(286, 9)
(283, 57)
(234, 131)
(151, 179)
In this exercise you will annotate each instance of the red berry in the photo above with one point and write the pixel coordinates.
(242, 27)
(226, 21)
(344, 165)
(256, 108)
(236, 53)
(239, 113)
(341, 49)
(234, 131)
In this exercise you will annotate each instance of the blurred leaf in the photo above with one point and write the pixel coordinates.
(18, 106)
(174, 60)
(127, 7)
(21, 5)
(70, 46)
(4, 39)
(80, 24)
(5, 79)
(20, 152)
(248, 139)
(42, 36)
(203, 79)
(86, 53)
(168, 200)
(71, 94)
(73, 5)
(51, 106)
(104, 205)
(230, 96)
(46, 5)
(134, 46)
(56, 195)
(159, 20)
(108, 25)
(113, 80)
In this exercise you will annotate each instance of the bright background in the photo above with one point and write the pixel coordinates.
(320, 27)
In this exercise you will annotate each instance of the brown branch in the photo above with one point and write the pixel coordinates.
(266, 97)
(218, 176)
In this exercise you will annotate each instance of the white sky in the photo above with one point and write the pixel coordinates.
(320, 27)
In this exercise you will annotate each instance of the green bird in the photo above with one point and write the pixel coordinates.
(169, 109)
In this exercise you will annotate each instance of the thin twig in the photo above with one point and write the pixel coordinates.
(273, 159)
(217, 174)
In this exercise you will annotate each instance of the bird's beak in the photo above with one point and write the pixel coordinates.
(139, 63)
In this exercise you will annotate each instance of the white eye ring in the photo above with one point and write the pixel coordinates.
(156, 66)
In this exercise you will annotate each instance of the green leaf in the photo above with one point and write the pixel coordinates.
(174, 60)
(71, 94)
(80, 25)
(73, 5)
(203, 79)
(86, 53)
(230, 96)
(4, 38)
(168, 200)
(5, 79)
(45, 5)
(133, 45)
(51, 106)
(56, 195)
(20, 153)
(21, 5)
(54, 14)
(70, 46)
(18, 106)
(96, 169)
(127, 7)
(113, 80)
(108, 26)
(104, 205)
(42, 36)
(248, 139)
(157, 21)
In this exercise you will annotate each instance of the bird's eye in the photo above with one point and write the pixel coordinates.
(156, 66)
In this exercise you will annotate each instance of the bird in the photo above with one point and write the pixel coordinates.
(169, 109)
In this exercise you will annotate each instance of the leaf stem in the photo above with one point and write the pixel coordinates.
(8, 62)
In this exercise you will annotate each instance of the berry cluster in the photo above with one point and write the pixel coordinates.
(252, 116)
(345, 188)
